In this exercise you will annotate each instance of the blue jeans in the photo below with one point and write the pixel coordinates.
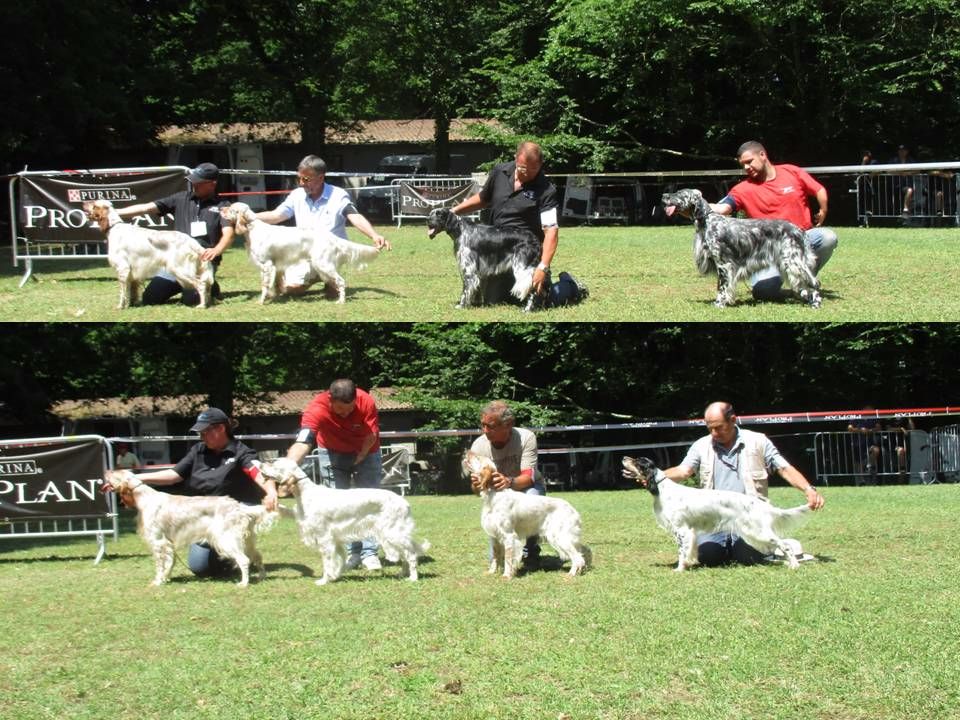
(722, 548)
(204, 561)
(341, 468)
(767, 283)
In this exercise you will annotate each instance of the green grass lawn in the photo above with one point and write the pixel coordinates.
(633, 273)
(868, 631)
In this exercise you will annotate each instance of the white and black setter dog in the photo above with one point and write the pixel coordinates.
(483, 252)
(737, 248)
(685, 511)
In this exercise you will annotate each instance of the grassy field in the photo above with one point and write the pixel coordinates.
(867, 631)
(633, 273)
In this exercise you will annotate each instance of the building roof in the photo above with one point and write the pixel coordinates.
(364, 132)
(273, 403)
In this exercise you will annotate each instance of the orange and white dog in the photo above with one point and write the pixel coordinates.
(167, 522)
(137, 254)
(510, 517)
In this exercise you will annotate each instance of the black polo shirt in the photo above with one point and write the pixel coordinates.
(521, 208)
(187, 208)
(207, 472)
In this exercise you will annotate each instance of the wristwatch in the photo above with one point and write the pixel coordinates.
(545, 268)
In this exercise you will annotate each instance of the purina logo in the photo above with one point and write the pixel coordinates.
(82, 195)
(19, 467)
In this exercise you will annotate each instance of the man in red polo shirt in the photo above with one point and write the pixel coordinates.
(343, 423)
(779, 192)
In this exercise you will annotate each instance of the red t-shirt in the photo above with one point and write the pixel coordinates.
(783, 198)
(339, 434)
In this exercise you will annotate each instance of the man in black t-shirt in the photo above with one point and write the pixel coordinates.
(196, 212)
(520, 196)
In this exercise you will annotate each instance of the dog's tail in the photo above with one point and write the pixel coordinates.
(357, 255)
(788, 519)
(265, 519)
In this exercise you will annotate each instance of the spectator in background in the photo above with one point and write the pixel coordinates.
(903, 186)
(779, 192)
(865, 195)
(196, 212)
(124, 458)
(344, 425)
(317, 204)
(866, 444)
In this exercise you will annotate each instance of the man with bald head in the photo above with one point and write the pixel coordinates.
(738, 460)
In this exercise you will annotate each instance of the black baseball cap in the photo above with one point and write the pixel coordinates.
(203, 173)
(210, 416)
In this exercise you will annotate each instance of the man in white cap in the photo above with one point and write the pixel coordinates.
(196, 212)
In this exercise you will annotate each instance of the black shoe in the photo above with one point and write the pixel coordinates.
(215, 291)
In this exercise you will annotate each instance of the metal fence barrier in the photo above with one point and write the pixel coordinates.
(910, 197)
(416, 197)
(945, 444)
(873, 458)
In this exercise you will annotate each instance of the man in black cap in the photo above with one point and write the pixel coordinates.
(217, 465)
(196, 212)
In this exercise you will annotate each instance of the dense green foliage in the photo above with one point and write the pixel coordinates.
(554, 373)
(604, 84)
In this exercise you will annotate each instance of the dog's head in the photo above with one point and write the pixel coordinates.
(123, 483)
(286, 473)
(687, 202)
(442, 219)
(100, 211)
(642, 470)
(482, 466)
(239, 215)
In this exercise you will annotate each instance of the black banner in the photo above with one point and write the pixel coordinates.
(51, 206)
(419, 197)
(52, 480)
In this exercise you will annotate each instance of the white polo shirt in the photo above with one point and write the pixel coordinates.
(328, 212)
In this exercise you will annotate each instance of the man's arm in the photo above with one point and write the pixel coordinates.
(471, 204)
(679, 473)
(226, 240)
(147, 208)
(363, 225)
(821, 215)
(795, 477)
(272, 217)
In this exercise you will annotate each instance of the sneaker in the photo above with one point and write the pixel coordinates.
(353, 562)
(372, 562)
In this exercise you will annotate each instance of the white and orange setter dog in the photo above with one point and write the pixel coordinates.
(137, 254)
(274, 248)
(510, 517)
(330, 518)
(168, 522)
(684, 511)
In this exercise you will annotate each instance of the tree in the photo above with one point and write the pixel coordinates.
(68, 72)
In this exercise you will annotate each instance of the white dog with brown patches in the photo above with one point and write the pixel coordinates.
(330, 518)
(510, 517)
(274, 248)
(168, 522)
(137, 254)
